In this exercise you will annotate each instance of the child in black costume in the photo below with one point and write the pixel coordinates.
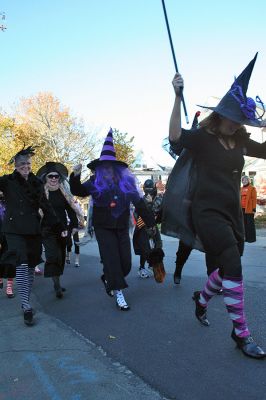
(143, 239)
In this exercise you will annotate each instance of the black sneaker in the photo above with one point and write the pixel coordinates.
(28, 317)
(200, 311)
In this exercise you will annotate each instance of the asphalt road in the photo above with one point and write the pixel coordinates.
(159, 339)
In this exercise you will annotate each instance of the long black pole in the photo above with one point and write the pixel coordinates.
(174, 58)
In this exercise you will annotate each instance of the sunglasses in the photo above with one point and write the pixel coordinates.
(55, 176)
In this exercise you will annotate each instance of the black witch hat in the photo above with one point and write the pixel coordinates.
(52, 166)
(235, 105)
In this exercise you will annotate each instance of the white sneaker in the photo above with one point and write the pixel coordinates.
(120, 301)
(143, 273)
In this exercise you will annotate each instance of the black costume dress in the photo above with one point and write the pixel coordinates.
(215, 208)
(54, 243)
(141, 237)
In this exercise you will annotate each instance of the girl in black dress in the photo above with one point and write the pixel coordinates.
(218, 148)
(53, 174)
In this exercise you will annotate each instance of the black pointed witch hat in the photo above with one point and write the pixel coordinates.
(235, 105)
(107, 153)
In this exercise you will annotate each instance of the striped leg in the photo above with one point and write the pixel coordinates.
(9, 288)
(22, 279)
(233, 293)
(31, 280)
(212, 287)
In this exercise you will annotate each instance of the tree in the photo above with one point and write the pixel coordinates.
(7, 143)
(124, 147)
(43, 122)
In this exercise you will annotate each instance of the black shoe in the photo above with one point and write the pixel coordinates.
(28, 317)
(200, 311)
(59, 293)
(248, 346)
(177, 279)
(109, 292)
(63, 289)
(76, 265)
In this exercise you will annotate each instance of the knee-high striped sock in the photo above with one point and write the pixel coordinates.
(22, 279)
(212, 287)
(9, 287)
(233, 293)
(31, 279)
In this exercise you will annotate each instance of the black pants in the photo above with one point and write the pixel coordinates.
(250, 229)
(115, 250)
(70, 242)
(183, 253)
(230, 262)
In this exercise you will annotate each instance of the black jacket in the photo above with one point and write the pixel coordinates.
(102, 216)
(23, 199)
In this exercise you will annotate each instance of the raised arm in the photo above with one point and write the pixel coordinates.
(175, 120)
(77, 188)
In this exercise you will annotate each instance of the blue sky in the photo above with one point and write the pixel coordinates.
(110, 60)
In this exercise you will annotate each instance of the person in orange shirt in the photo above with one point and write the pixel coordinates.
(248, 204)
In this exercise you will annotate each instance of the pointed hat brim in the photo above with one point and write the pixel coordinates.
(96, 163)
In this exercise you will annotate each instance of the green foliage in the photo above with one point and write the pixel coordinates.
(124, 147)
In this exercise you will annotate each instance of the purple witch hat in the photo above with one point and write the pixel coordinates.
(235, 105)
(107, 153)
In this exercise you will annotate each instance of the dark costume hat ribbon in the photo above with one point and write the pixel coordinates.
(28, 151)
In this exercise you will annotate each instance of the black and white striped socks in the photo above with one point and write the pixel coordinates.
(24, 285)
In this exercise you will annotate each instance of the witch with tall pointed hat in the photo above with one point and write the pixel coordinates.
(112, 187)
(218, 147)
(24, 198)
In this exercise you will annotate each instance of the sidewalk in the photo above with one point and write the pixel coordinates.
(51, 361)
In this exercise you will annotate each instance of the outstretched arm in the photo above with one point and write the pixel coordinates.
(77, 188)
(175, 120)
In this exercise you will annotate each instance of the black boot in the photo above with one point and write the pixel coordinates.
(28, 317)
(200, 311)
(248, 346)
(57, 287)
(177, 274)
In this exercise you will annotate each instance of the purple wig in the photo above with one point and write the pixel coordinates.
(114, 183)
(111, 175)
(2, 210)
